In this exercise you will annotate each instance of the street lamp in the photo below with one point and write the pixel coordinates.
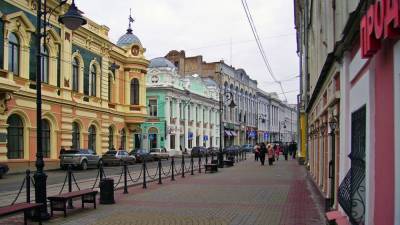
(284, 127)
(72, 20)
(228, 98)
(332, 125)
(185, 102)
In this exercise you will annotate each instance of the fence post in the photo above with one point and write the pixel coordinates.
(206, 158)
(144, 173)
(172, 168)
(237, 156)
(183, 165)
(28, 185)
(212, 157)
(70, 206)
(159, 172)
(245, 153)
(125, 178)
(199, 164)
(101, 171)
(191, 163)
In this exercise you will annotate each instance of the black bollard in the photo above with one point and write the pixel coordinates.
(70, 206)
(199, 164)
(245, 153)
(183, 166)
(212, 157)
(159, 172)
(125, 178)
(172, 168)
(144, 173)
(191, 164)
(206, 158)
(101, 171)
(28, 186)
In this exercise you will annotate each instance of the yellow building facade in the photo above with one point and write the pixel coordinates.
(94, 91)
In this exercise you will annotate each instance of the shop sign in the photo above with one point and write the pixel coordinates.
(382, 21)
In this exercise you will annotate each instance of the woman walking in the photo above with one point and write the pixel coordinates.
(271, 155)
(263, 151)
(256, 152)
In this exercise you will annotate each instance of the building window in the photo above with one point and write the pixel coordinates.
(123, 139)
(153, 143)
(44, 60)
(13, 54)
(15, 137)
(92, 85)
(110, 77)
(110, 138)
(172, 141)
(92, 138)
(137, 141)
(153, 107)
(135, 92)
(46, 138)
(75, 74)
(75, 136)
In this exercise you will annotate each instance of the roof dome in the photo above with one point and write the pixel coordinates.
(128, 39)
(161, 62)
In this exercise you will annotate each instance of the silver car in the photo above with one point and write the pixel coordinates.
(82, 158)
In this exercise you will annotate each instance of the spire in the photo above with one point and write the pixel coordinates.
(131, 20)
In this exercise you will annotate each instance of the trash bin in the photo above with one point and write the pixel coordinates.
(107, 191)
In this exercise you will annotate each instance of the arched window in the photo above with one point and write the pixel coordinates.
(92, 138)
(110, 77)
(44, 60)
(46, 138)
(135, 92)
(75, 136)
(123, 139)
(13, 54)
(15, 137)
(110, 138)
(75, 74)
(93, 73)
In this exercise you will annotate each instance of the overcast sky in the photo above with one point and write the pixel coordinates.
(216, 29)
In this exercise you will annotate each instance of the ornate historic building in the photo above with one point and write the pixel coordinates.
(183, 110)
(94, 92)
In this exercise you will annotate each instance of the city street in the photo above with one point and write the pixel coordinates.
(244, 194)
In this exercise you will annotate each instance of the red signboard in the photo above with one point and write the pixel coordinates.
(382, 21)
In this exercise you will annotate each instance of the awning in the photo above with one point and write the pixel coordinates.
(228, 133)
(233, 133)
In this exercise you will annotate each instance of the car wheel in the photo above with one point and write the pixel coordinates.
(84, 165)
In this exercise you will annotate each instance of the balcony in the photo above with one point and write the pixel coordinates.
(191, 122)
(205, 125)
(134, 108)
(198, 124)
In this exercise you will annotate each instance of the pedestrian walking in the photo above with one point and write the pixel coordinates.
(270, 155)
(256, 152)
(294, 149)
(286, 151)
(263, 151)
(277, 151)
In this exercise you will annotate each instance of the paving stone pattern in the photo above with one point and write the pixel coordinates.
(244, 194)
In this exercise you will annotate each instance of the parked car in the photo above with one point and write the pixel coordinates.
(82, 158)
(198, 151)
(159, 153)
(114, 157)
(212, 151)
(3, 170)
(247, 148)
(141, 154)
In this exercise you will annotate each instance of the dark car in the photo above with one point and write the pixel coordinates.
(198, 151)
(114, 157)
(247, 147)
(3, 170)
(212, 150)
(141, 154)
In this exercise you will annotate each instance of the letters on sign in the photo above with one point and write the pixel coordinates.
(382, 21)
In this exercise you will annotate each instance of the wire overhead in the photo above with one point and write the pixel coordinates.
(260, 47)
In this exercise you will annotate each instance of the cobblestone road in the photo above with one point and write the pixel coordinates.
(244, 194)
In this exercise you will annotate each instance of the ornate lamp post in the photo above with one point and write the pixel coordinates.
(332, 125)
(72, 20)
(228, 98)
(284, 127)
(185, 101)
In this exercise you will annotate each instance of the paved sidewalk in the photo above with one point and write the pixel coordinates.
(244, 194)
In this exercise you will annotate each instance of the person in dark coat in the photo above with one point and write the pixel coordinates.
(263, 151)
(286, 151)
